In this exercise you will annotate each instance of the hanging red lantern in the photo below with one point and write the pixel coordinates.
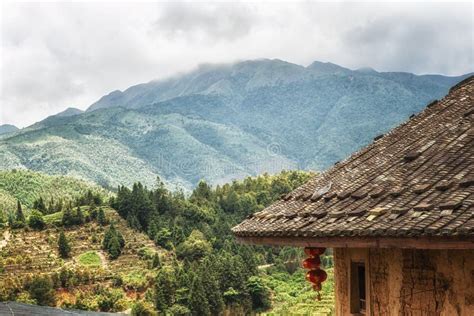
(315, 275)
(317, 287)
(312, 263)
(314, 251)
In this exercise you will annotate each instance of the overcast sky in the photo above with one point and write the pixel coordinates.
(58, 55)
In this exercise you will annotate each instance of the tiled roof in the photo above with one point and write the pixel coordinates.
(415, 181)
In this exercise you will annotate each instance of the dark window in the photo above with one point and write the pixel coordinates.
(358, 292)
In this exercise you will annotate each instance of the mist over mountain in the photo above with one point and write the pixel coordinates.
(222, 122)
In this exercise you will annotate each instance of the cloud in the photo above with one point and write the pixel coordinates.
(419, 40)
(56, 55)
(219, 21)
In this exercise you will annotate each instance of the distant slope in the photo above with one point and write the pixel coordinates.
(27, 186)
(7, 128)
(223, 122)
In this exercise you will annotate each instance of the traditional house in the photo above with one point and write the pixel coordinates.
(398, 213)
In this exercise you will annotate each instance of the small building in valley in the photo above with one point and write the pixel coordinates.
(398, 213)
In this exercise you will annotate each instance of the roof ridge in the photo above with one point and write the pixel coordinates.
(461, 83)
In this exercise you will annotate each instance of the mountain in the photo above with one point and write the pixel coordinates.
(222, 122)
(57, 119)
(69, 112)
(7, 128)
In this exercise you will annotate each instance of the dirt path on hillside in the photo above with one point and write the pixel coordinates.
(103, 259)
(6, 239)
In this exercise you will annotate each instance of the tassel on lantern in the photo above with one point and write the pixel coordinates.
(315, 275)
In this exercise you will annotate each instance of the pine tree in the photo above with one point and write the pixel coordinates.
(113, 242)
(114, 248)
(63, 246)
(208, 277)
(20, 217)
(198, 303)
(165, 289)
(79, 216)
(68, 217)
(101, 219)
(39, 205)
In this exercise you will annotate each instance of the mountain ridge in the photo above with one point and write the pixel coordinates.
(224, 122)
(8, 128)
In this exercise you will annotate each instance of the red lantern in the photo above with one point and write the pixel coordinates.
(313, 252)
(316, 276)
(312, 263)
(317, 287)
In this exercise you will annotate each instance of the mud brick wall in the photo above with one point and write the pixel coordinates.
(410, 282)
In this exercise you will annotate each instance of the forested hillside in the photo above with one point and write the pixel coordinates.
(223, 122)
(28, 187)
(89, 256)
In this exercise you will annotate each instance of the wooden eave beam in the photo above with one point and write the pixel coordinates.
(364, 242)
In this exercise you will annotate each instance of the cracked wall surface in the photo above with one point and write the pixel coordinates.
(409, 282)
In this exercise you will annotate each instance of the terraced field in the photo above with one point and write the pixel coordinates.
(24, 253)
(292, 295)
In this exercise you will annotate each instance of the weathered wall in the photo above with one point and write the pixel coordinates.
(410, 282)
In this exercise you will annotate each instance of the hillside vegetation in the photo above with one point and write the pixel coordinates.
(223, 122)
(27, 186)
(159, 251)
(83, 280)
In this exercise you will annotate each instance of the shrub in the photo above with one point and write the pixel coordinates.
(108, 300)
(36, 221)
(41, 290)
(143, 309)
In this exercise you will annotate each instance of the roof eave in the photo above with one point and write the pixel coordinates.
(364, 242)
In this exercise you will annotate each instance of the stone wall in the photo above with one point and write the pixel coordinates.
(409, 282)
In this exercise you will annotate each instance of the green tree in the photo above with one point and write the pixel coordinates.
(79, 216)
(36, 221)
(41, 289)
(259, 293)
(208, 277)
(20, 217)
(63, 246)
(198, 302)
(194, 247)
(40, 205)
(114, 249)
(68, 217)
(113, 242)
(165, 289)
(101, 219)
(163, 238)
